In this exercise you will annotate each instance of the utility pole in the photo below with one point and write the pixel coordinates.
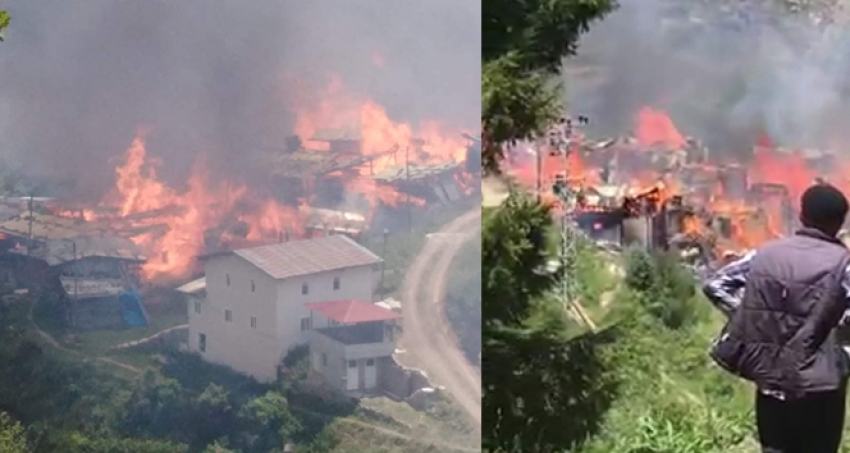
(384, 257)
(561, 139)
(29, 233)
(74, 245)
(407, 183)
(538, 157)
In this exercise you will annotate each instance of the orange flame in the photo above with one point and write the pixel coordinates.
(654, 127)
(189, 214)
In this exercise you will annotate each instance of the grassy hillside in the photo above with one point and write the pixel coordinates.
(668, 396)
(71, 400)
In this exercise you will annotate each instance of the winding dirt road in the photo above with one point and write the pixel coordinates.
(427, 333)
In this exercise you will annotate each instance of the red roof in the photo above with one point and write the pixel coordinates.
(352, 311)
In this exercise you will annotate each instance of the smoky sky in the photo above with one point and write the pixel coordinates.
(78, 79)
(726, 71)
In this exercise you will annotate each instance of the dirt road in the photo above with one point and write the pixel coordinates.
(427, 333)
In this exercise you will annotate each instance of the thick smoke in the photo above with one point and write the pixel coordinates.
(79, 78)
(725, 71)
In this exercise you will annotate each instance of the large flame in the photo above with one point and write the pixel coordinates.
(654, 127)
(174, 225)
(183, 217)
(367, 121)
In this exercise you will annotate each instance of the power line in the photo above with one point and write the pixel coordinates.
(561, 140)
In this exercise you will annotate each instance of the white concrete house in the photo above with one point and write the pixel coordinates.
(251, 308)
(352, 343)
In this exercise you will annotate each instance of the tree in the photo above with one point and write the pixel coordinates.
(12, 435)
(555, 390)
(155, 408)
(213, 415)
(5, 18)
(524, 43)
(268, 423)
(543, 391)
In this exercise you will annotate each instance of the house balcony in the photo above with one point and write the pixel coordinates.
(353, 342)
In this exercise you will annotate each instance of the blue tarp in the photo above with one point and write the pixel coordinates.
(134, 311)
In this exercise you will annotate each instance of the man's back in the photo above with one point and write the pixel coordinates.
(784, 302)
(792, 301)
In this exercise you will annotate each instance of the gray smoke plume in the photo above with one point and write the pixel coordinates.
(77, 79)
(726, 71)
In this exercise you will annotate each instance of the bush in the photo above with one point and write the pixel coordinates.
(12, 436)
(665, 288)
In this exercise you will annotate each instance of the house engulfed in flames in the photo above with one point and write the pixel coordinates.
(661, 190)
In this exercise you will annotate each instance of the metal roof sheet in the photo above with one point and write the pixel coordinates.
(58, 251)
(85, 288)
(308, 256)
(194, 286)
(48, 227)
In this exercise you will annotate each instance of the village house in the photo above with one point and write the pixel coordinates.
(255, 304)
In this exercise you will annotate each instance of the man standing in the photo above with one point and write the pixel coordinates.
(784, 303)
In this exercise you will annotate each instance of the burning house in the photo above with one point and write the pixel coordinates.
(434, 183)
(698, 206)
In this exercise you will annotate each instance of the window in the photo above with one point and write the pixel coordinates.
(228, 316)
(227, 279)
(324, 359)
(305, 288)
(352, 364)
(253, 322)
(253, 287)
(197, 307)
(336, 283)
(370, 362)
(202, 342)
(305, 324)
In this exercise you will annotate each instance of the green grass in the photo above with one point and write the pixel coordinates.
(98, 342)
(136, 358)
(354, 438)
(168, 311)
(441, 425)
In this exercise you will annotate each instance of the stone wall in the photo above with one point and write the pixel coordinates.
(167, 339)
(399, 382)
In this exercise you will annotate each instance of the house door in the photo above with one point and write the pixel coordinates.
(371, 375)
(352, 375)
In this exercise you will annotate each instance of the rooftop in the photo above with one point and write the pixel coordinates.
(47, 227)
(195, 286)
(58, 251)
(307, 256)
(352, 311)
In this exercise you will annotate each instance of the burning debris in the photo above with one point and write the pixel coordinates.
(662, 190)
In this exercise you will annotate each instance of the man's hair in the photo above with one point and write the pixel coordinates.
(822, 206)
